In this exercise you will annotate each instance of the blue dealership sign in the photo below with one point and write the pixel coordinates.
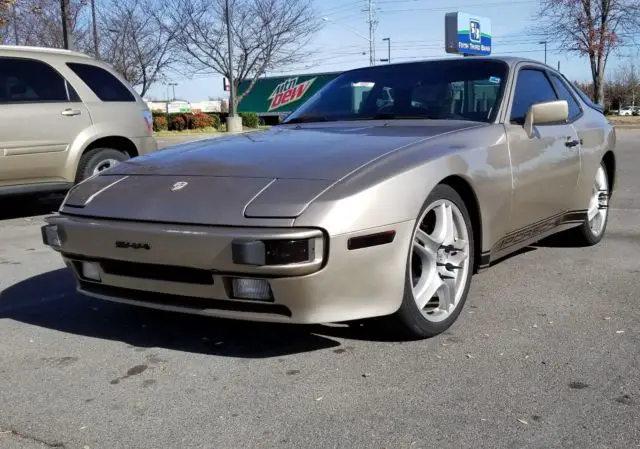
(467, 34)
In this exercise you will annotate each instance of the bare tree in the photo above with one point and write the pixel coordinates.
(5, 10)
(39, 22)
(135, 43)
(625, 78)
(593, 28)
(265, 35)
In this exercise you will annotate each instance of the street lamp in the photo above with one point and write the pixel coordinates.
(388, 59)
(545, 50)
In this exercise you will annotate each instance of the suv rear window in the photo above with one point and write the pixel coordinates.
(106, 86)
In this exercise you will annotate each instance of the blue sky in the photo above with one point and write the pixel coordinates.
(416, 30)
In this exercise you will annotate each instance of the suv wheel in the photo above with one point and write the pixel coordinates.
(97, 160)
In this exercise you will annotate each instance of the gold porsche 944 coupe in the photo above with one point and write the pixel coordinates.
(380, 196)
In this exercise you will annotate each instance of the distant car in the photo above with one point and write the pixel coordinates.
(64, 117)
(627, 110)
(351, 209)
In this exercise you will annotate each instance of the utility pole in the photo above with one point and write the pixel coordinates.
(14, 11)
(95, 29)
(67, 35)
(373, 23)
(558, 65)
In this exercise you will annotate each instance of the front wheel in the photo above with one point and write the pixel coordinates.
(439, 266)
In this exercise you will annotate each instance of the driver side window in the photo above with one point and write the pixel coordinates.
(532, 86)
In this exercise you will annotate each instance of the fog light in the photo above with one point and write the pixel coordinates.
(256, 289)
(50, 236)
(91, 271)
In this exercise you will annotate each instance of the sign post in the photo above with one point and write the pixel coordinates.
(467, 34)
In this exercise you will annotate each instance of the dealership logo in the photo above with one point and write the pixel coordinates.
(475, 34)
(288, 91)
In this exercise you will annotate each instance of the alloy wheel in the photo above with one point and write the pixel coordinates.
(440, 263)
(599, 203)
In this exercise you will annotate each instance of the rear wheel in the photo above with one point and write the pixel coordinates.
(99, 159)
(592, 230)
(439, 266)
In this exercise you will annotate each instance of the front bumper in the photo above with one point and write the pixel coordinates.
(192, 269)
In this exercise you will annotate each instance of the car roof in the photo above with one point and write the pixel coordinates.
(510, 60)
(48, 51)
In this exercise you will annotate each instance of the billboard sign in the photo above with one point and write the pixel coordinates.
(281, 95)
(467, 34)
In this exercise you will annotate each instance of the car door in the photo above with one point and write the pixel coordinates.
(546, 167)
(40, 115)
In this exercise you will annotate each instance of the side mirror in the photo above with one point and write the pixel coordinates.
(546, 113)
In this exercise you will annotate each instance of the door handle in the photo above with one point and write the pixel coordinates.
(71, 112)
(572, 143)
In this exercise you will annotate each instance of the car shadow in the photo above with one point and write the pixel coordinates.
(50, 300)
(29, 206)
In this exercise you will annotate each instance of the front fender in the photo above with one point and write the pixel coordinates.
(394, 188)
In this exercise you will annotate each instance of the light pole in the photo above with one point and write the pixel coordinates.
(95, 29)
(67, 34)
(388, 59)
(371, 44)
(173, 85)
(234, 123)
(545, 50)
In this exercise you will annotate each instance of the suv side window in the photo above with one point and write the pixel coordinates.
(574, 108)
(24, 80)
(106, 86)
(532, 86)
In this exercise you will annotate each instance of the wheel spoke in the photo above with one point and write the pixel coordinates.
(429, 287)
(444, 231)
(446, 294)
(593, 210)
(427, 243)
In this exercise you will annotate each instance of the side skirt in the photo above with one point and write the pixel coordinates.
(527, 235)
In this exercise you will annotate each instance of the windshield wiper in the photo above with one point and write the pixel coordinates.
(310, 119)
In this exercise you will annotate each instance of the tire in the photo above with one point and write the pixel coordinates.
(412, 321)
(98, 159)
(585, 235)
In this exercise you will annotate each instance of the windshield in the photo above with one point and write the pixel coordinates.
(456, 89)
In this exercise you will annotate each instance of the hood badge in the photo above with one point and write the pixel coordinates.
(178, 186)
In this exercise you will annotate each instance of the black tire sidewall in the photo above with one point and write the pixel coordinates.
(94, 157)
(409, 315)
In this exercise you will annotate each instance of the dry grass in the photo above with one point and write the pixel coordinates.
(624, 120)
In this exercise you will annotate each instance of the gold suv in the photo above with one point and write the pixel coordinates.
(64, 117)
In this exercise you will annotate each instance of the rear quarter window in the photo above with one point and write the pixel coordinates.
(103, 84)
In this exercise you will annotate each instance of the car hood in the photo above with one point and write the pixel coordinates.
(318, 151)
(232, 181)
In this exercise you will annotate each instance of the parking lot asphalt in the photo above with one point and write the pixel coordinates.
(546, 354)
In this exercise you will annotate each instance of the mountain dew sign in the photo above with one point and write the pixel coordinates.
(281, 95)
(289, 91)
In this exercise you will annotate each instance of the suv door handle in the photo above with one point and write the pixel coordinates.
(572, 143)
(70, 112)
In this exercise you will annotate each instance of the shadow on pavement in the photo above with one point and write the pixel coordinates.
(29, 206)
(50, 300)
